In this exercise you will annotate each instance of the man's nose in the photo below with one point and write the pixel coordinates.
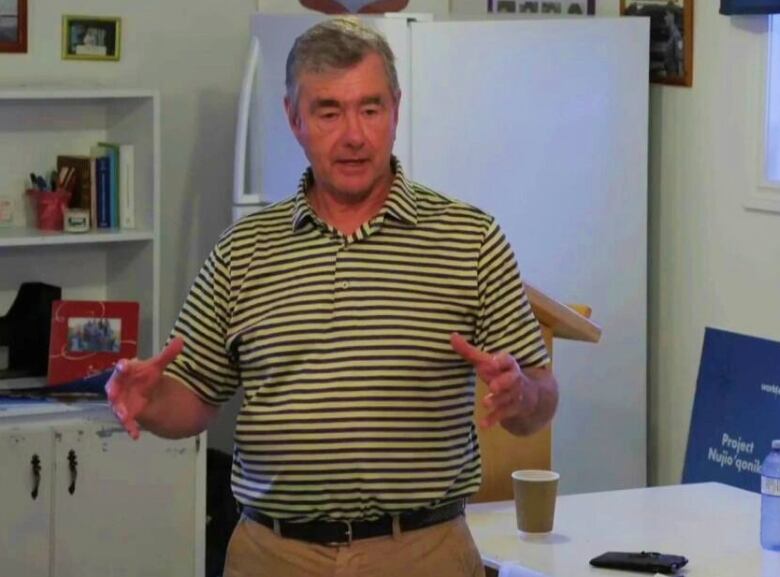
(354, 132)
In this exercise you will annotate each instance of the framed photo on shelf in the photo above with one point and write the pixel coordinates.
(7, 210)
(91, 38)
(671, 38)
(543, 7)
(13, 26)
(89, 337)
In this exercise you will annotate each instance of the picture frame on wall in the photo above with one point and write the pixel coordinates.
(91, 38)
(13, 26)
(543, 7)
(671, 38)
(89, 337)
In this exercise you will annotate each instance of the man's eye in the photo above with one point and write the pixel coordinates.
(328, 115)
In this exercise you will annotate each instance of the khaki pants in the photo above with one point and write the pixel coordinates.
(445, 550)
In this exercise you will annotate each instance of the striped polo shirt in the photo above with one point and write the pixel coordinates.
(355, 403)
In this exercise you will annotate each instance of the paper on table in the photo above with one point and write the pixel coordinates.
(515, 570)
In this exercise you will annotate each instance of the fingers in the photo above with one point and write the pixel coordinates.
(467, 351)
(503, 405)
(118, 393)
(502, 376)
(114, 385)
(130, 424)
(130, 386)
(480, 359)
(506, 396)
(503, 362)
(169, 353)
(498, 415)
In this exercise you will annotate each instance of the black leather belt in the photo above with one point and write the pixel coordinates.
(336, 533)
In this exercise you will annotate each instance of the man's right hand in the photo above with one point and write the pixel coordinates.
(133, 382)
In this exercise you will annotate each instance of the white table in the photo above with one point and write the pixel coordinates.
(715, 526)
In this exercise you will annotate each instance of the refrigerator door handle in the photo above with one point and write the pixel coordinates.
(240, 195)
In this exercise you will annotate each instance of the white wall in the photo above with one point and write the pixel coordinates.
(712, 262)
(193, 52)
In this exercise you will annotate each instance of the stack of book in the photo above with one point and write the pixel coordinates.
(103, 184)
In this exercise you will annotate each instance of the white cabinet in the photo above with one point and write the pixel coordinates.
(36, 126)
(25, 500)
(79, 498)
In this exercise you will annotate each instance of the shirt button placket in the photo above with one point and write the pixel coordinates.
(341, 283)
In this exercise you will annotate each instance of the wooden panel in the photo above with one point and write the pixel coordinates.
(503, 452)
(566, 322)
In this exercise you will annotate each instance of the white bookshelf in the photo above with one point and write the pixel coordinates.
(37, 125)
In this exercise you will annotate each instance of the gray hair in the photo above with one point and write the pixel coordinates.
(338, 43)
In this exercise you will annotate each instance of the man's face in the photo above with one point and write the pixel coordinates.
(346, 121)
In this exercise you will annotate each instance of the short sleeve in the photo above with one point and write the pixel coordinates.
(205, 365)
(506, 321)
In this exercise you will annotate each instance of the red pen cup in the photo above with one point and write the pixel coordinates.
(50, 207)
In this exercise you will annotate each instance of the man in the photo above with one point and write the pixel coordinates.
(346, 313)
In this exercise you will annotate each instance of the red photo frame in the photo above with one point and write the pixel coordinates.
(89, 337)
(13, 29)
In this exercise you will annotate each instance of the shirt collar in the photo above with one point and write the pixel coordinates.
(401, 203)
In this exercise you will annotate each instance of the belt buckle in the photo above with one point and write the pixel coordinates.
(348, 540)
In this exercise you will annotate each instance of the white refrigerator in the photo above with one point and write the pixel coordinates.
(542, 123)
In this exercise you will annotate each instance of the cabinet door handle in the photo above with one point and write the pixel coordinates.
(35, 463)
(73, 464)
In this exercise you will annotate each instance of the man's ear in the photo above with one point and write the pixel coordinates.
(397, 106)
(293, 118)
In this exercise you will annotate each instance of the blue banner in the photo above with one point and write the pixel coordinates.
(736, 411)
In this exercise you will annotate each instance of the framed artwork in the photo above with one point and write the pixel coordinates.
(671, 38)
(355, 6)
(91, 38)
(543, 7)
(89, 337)
(13, 26)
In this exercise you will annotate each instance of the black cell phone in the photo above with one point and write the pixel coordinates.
(644, 561)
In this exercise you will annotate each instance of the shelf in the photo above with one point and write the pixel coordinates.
(19, 406)
(11, 409)
(66, 93)
(22, 236)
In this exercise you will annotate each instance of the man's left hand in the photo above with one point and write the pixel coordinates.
(511, 394)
